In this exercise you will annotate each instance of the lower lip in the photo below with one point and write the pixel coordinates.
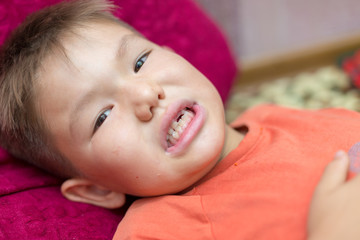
(190, 132)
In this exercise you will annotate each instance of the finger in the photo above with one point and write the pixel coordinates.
(335, 173)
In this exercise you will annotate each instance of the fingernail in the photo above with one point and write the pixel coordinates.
(340, 154)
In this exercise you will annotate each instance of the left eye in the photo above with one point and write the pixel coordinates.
(101, 118)
(140, 62)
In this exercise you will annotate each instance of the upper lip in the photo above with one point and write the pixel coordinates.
(170, 114)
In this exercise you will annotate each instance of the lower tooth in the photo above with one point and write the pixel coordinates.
(175, 135)
(172, 140)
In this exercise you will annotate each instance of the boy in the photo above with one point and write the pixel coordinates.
(90, 99)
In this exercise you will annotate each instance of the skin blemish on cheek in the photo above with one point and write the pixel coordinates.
(118, 150)
(137, 177)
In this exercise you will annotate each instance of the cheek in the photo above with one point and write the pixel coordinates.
(120, 147)
(126, 151)
(213, 135)
(110, 144)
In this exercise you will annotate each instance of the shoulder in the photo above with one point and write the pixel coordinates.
(165, 217)
(266, 112)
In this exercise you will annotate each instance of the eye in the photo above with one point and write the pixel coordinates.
(101, 119)
(141, 61)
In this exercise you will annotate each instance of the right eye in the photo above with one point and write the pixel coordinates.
(141, 61)
(101, 119)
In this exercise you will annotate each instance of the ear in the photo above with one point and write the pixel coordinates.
(83, 190)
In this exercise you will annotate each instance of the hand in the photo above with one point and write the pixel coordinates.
(335, 208)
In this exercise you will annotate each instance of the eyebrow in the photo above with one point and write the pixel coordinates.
(85, 99)
(123, 45)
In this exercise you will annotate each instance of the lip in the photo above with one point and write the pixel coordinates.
(191, 131)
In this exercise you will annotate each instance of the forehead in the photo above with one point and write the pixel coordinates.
(84, 54)
(95, 34)
(100, 38)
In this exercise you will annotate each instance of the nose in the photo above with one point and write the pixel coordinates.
(145, 95)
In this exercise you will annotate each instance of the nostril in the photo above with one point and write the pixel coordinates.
(161, 95)
(160, 92)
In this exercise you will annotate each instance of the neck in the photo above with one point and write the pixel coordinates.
(232, 140)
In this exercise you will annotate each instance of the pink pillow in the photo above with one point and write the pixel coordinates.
(31, 205)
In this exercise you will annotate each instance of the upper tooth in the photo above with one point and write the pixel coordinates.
(181, 122)
(178, 128)
(186, 118)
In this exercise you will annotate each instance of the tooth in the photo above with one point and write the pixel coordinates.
(178, 129)
(172, 141)
(191, 114)
(174, 124)
(175, 135)
(181, 122)
(186, 118)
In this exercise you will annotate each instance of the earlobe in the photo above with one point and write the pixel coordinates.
(83, 190)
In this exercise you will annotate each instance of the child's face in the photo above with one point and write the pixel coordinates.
(110, 111)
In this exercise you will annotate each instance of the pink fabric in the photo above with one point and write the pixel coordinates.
(31, 206)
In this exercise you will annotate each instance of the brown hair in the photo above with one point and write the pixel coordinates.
(22, 131)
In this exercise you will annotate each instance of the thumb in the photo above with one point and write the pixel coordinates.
(335, 173)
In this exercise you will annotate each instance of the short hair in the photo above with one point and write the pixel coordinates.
(22, 131)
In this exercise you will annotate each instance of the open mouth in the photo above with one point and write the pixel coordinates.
(179, 125)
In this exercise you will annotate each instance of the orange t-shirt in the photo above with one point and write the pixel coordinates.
(261, 190)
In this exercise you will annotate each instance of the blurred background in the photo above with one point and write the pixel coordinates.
(264, 28)
(300, 54)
